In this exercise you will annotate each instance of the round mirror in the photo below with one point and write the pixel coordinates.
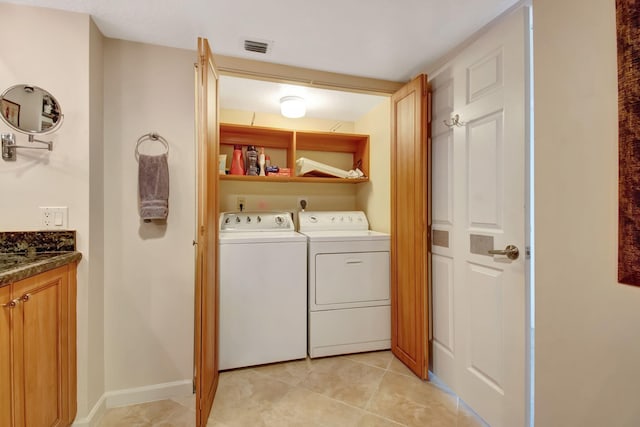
(30, 109)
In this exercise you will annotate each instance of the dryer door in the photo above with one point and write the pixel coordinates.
(352, 279)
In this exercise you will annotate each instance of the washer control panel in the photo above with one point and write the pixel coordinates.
(256, 221)
(332, 220)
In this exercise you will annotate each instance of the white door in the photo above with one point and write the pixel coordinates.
(479, 193)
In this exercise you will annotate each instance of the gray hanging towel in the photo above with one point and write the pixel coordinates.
(153, 187)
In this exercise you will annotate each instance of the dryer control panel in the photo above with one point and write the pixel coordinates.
(332, 221)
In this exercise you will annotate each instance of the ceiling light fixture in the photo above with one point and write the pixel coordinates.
(292, 107)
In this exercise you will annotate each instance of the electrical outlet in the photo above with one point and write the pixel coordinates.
(241, 203)
(303, 202)
(54, 218)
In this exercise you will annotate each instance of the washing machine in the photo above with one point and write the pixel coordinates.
(349, 283)
(263, 289)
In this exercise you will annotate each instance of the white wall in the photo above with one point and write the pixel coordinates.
(149, 268)
(587, 338)
(59, 62)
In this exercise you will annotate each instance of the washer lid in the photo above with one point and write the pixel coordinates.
(251, 237)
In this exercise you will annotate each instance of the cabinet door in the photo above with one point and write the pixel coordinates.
(40, 327)
(410, 218)
(206, 286)
(6, 379)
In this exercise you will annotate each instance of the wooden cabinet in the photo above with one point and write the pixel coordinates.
(38, 350)
(342, 150)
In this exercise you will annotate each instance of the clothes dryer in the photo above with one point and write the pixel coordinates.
(349, 283)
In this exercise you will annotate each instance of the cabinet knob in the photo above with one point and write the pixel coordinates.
(12, 303)
(25, 297)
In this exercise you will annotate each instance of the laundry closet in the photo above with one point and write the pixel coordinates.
(277, 302)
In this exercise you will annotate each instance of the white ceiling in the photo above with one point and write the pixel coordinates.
(385, 39)
(261, 96)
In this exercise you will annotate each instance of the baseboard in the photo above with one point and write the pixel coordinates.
(94, 416)
(132, 396)
(148, 393)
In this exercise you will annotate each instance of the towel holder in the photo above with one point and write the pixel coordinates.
(153, 136)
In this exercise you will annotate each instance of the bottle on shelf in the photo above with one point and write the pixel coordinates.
(262, 162)
(237, 162)
(252, 158)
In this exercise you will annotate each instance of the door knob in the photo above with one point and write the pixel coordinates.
(511, 251)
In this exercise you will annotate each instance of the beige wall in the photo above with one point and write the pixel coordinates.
(149, 268)
(374, 197)
(61, 177)
(587, 341)
(95, 337)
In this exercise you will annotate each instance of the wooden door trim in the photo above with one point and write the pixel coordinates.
(279, 73)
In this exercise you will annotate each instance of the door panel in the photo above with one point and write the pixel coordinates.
(39, 330)
(485, 173)
(6, 348)
(410, 217)
(485, 312)
(442, 297)
(442, 173)
(206, 292)
(486, 364)
(484, 76)
(41, 348)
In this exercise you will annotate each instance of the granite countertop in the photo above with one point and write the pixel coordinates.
(25, 254)
(15, 267)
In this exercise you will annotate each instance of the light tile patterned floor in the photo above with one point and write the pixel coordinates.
(359, 390)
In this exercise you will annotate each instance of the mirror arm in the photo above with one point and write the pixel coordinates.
(49, 144)
(9, 146)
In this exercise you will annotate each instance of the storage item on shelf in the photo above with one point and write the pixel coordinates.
(262, 162)
(308, 167)
(252, 161)
(281, 172)
(237, 162)
(222, 164)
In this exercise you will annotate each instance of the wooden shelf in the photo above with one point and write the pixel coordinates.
(327, 180)
(350, 149)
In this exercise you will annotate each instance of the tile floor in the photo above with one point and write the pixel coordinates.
(359, 390)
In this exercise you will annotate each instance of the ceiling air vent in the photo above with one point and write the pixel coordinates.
(255, 46)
